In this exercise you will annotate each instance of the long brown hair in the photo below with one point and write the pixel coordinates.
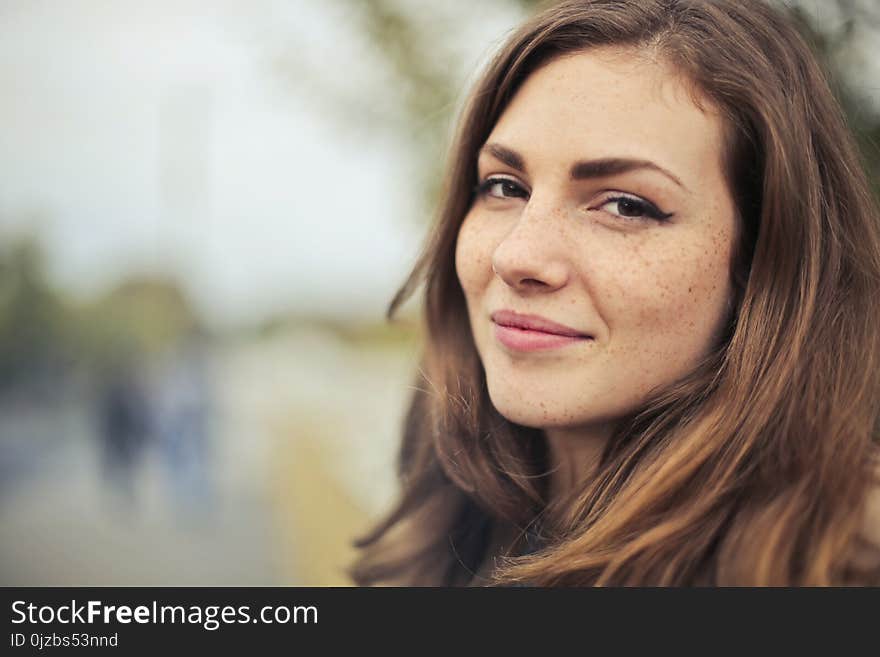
(753, 469)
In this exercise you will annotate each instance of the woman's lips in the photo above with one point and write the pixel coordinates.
(532, 332)
(529, 340)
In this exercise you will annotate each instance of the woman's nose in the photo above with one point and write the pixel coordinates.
(531, 256)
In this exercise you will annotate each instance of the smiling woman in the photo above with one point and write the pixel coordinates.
(651, 293)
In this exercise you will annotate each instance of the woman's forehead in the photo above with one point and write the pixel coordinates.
(612, 103)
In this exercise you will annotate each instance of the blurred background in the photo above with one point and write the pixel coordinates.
(205, 208)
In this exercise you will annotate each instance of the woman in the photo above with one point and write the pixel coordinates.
(651, 314)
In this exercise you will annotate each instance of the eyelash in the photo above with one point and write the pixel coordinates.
(649, 210)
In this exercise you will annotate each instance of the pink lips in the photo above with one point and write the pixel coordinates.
(532, 332)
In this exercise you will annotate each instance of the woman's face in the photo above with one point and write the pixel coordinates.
(602, 207)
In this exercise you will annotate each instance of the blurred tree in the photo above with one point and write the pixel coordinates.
(426, 68)
(845, 45)
(405, 79)
(32, 316)
(138, 318)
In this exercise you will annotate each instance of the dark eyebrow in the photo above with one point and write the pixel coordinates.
(511, 158)
(610, 166)
(586, 169)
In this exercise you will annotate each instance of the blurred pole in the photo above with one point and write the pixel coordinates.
(185, 135)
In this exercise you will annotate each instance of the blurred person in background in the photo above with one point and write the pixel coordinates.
(182, 425)
(651, 314)
(125, 427)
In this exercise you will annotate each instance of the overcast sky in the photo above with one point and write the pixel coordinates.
(158, 136)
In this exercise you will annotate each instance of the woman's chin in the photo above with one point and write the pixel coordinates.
(535, 415)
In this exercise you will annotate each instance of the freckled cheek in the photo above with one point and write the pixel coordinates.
(664, 299)
(473, 256)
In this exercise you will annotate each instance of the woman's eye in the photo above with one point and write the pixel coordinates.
(501, 188)
(634, 208)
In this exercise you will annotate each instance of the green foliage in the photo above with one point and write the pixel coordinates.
(137, 319)
(836, 44)
(425, 70)
(32, 336)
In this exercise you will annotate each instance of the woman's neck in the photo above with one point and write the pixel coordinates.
(574, 455)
